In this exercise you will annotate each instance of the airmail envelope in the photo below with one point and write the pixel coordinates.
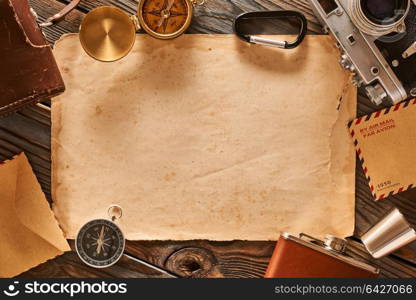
(386, 143)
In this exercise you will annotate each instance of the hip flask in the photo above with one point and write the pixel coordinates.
(307, 257)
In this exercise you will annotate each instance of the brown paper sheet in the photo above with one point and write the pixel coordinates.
(29, 232)
(205, 137)
(385, 141)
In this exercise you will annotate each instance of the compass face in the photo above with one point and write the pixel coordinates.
(165, 17)
(100, 243)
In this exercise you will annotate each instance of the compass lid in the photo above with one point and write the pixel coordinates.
(107, 33)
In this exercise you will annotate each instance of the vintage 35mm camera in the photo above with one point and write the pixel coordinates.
(377, 43)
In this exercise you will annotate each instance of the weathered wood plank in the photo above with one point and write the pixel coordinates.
(69, 265)
(215, 16)
(39, 113)
(389, 266)
(206, 259)
(196, 259)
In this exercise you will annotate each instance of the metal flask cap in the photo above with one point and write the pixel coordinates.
(388, 235)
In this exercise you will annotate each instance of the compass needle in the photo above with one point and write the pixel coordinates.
(165, 13)
(165, 4)
(171, 2)
(100, 240)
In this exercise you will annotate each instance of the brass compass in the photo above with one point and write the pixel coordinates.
(165, 19)
(108, 34)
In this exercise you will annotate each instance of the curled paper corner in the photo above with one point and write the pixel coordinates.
(30, 233)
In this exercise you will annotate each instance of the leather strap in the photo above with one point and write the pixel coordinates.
(60, 15)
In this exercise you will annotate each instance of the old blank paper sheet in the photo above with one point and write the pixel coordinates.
(205, 137)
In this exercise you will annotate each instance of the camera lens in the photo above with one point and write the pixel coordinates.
(384, 12)
(379, 17)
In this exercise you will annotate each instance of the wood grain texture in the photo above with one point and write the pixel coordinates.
(29, 131)
(215, 16)
(200, 259)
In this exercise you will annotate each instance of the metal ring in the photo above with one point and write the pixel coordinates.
(112, 216)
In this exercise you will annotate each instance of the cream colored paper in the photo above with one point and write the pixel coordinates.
(29, 232)
(385, 143)
(205, 137)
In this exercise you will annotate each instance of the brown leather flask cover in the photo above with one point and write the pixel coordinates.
(28, 71)
(292, 259)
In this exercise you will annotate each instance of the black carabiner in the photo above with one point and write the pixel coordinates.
(268, 15)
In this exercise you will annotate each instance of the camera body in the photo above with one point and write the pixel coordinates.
(377, 39)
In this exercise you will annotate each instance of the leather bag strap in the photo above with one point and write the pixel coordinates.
(60, 15)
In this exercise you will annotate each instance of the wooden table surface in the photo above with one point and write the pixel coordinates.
(29, 131)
